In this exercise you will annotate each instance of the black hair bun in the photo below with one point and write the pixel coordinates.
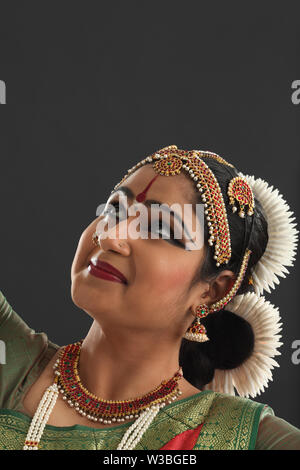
(231, 342)
(231, 339)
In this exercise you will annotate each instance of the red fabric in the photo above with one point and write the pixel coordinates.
(186, 440)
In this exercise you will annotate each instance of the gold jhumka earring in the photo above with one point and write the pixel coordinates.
(197, 331)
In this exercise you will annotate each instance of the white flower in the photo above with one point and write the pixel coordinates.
(283, 236)
(250, 378)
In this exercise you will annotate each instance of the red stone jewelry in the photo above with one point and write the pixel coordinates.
(171, 161)
(197, 331)
(240, 191)
(106, 411)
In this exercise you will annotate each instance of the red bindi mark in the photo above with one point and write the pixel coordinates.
(142, 196)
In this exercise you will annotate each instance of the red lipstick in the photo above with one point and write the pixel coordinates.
(106, 271)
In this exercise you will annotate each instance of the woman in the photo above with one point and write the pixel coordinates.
(178, 322)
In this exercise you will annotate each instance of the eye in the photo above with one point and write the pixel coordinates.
(117, 209)
(170, 235)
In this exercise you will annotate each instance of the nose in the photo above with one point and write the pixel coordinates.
(115, 239)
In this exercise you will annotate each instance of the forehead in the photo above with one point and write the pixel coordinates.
(168, 189)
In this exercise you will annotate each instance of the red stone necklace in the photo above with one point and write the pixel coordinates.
(97, 409)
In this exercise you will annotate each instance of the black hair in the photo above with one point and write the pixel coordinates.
(231, 338)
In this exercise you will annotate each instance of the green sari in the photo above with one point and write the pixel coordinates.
(207, 420)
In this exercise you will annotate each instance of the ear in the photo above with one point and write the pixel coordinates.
(218, 287)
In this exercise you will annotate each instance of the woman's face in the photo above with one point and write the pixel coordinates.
(157, 297)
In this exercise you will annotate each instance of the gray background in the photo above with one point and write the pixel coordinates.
(92, 89)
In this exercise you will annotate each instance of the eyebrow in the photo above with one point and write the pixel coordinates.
(128, 192)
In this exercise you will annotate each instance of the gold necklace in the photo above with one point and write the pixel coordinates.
(98, 409)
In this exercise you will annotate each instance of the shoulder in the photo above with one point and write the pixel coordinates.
(209, 405)
(235, 402)
(230, 422)
(241, 412)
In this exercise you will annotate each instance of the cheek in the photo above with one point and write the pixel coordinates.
(159, 285)
(174, 279)
(169, 275)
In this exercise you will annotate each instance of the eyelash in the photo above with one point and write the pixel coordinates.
(174, 240)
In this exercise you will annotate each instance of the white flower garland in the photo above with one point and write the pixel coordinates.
(253, 375)
(283, 236)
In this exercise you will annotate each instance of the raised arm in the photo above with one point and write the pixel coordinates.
(22, 350)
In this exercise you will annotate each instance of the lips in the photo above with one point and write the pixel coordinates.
(108, 268)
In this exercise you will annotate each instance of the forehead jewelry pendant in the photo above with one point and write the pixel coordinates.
(171, 165)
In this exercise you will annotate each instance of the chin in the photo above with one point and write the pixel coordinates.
(80, 292)
(87, 297)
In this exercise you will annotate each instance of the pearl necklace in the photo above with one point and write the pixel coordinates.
(131, 437)
(41, 417)
(134, 434)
